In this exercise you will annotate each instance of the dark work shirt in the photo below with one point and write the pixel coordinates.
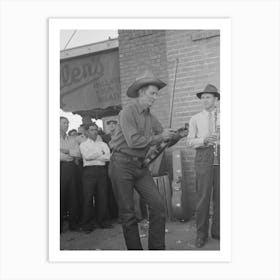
(106, 138)
(135, 131)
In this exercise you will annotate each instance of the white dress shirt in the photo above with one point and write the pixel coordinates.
(199, 128)
(81, 138)
(69, 147)
(94, 152)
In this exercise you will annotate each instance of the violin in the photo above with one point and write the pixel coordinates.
(156, 150)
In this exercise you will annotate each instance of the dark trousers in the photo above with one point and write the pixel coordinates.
(112, 204)
(94, 185)
(68, 193)
(112, 211)
(127, 174)
(80, 186)
(207, 180)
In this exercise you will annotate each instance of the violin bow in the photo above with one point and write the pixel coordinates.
(173, 91)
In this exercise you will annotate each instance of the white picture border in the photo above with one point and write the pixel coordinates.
(57, 24)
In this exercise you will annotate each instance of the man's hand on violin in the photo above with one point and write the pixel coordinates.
(168, 133)
(184, 133)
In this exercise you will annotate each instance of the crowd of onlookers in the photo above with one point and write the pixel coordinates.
(86, 196)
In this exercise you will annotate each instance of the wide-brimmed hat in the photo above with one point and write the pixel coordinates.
(148, 78)
(209, 89)
(112, 121)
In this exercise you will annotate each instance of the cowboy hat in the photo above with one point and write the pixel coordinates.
(148, 78)
(209, 89)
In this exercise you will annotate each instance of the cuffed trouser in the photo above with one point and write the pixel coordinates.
(94, 185)
(68, 193)
(207, 179)
(126, 175)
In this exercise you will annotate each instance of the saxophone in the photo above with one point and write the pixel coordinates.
(217, 143)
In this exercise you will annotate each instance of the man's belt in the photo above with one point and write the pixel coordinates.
(204, 147)
(130, 157)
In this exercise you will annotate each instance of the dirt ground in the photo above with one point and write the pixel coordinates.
(178, 236)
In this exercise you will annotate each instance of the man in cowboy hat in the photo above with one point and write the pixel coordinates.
(202, 137)
(137, 131)
(112, 126)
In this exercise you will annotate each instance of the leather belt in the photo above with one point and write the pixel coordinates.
(130, 157)
(205, 147)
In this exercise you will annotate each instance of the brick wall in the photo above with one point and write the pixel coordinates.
(140, 50)
(199, 64)
(199, 60)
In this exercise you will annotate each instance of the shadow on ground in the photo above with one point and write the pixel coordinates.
(179, 236)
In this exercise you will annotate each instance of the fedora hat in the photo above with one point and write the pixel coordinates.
(112, 121)
(148, 78)
(209, 89)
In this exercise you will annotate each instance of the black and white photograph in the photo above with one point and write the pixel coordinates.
(140, 139)
(135, 182)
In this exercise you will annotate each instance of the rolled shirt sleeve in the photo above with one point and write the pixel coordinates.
(106, 156)
(64, 157)
(69, 147)
(192, 139)
(88, 154)
(74, 149)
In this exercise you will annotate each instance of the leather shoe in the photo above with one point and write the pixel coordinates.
(199, 242)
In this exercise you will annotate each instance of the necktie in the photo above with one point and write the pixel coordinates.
(210, 123)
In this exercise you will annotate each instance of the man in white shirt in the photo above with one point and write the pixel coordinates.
(95, 154)
(203, 137)
(69, 151)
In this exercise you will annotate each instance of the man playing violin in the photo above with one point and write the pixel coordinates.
(137, 131)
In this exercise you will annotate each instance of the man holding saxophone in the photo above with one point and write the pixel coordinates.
(204, 137)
